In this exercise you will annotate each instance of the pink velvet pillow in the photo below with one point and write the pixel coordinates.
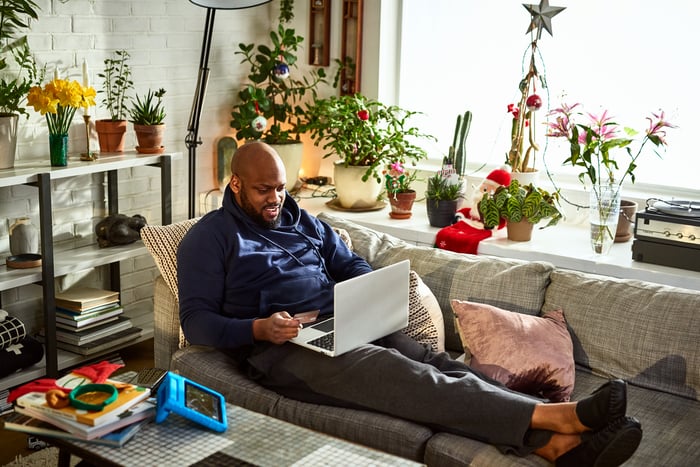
(529, 354)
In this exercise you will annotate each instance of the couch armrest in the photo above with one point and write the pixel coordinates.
(166, 335)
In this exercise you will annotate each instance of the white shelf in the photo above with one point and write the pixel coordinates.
(565, 246)
(26, 171)
(68, 261)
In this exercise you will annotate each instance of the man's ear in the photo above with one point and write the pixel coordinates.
(235, 184)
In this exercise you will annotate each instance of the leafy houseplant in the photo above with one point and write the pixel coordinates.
(364, 132)
(516, 203)
(115, 86)
(269, 108)
(147, 115)
(441, 199)
(593, 147)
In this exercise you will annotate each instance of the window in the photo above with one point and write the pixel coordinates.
(626, 56)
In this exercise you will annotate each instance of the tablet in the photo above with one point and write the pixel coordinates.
(192, 401)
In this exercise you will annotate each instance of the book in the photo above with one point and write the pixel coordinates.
(82, 298)
(103, 343)
(84, 336)
(82, 320)
(113, 434)
(78, 314)
(83, 327)
(126, 399)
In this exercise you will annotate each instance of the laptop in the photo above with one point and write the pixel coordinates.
(366, 308)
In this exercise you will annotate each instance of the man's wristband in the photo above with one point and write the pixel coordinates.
(107, 389)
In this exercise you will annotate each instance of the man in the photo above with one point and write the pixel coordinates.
(245, 269)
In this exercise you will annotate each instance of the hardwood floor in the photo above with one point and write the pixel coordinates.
(136, 357)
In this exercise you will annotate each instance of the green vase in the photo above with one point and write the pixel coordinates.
(58, 147)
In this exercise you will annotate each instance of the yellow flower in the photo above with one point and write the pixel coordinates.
(58, 100)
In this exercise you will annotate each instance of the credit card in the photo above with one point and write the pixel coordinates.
(307, 316)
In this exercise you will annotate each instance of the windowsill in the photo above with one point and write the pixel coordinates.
(565, 246)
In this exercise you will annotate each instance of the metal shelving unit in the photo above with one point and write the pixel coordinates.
(59, 263)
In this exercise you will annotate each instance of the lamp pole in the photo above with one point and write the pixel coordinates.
(192, 140)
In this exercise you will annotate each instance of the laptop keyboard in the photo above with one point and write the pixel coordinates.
(326, 341)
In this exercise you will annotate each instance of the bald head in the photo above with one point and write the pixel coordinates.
(255, 156)
(258, 180)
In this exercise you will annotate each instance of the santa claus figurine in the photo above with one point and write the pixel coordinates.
(464, 235)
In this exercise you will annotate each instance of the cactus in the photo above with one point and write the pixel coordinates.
(457, 155)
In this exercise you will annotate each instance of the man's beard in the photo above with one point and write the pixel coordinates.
(256, 216)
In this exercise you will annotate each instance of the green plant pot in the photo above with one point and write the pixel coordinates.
(58, 149)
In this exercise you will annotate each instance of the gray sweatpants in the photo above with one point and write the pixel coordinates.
(400, 377)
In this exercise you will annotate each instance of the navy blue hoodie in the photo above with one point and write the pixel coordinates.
(232, 271)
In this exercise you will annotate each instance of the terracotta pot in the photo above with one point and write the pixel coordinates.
(150, 138)
(441, 213)
(625, 222)
(111, 134)
(519, 231)
(401, 204)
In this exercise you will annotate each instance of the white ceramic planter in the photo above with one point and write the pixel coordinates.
(8, 140)
(291, 155)
(352, 192)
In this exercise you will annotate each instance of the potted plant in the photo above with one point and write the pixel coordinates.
(593, 147)
(116, 86)
(521, 206)
(18, 72)
(366, 135)
(147, 115)
(441, 199)
(269, 107)
(58, 101)
(397, 180)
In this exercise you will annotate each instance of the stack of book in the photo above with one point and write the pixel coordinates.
(114, 425)
(89, 320)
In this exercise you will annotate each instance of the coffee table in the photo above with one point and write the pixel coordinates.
(252, 439)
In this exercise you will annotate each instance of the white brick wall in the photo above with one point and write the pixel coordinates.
(164, 39)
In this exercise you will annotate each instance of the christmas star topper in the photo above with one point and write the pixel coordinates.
(541, 16)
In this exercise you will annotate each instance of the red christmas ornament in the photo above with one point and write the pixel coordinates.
(534, 102)
(363, 115)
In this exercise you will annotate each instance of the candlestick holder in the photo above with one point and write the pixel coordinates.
(89, 155)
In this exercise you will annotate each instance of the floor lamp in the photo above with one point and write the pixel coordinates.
(192, 140)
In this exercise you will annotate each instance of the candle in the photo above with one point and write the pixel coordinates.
(86, 83)
(55, 73)
(86, 77)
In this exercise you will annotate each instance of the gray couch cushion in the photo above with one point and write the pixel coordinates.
(511, 284)
(218, 371)
(645, 333)
(671, 424)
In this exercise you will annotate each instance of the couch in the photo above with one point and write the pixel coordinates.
(645, 333)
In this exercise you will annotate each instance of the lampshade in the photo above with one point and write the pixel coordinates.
(228, 4)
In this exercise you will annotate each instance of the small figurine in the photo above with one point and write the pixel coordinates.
(119, 229)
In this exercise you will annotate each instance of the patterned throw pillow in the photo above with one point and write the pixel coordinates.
(529, 354)
(162, 242)
(425, 322)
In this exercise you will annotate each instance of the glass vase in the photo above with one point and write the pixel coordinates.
(603, 217)
(58, 148)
